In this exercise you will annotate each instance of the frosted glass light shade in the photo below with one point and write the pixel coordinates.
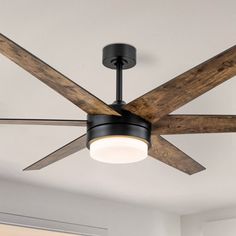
(118, 149)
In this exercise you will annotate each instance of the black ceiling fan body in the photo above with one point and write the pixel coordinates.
(146, 118)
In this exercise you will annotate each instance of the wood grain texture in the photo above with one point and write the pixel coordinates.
(184, 88)
(65, 151)
(8, 121)
(166, 152)
(54, 79)
(191, 124)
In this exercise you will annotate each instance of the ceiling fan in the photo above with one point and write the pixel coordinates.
(123, 133)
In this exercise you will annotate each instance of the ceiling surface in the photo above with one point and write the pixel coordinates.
(171, 37)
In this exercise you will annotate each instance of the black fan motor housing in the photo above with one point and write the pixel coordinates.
(127, 124)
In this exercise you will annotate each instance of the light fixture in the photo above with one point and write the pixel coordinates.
(118, 149)
(118, 139)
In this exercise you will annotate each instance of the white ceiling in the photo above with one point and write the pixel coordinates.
(171, 37)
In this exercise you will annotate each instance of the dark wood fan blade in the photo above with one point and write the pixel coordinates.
(177, 92)
(8, 121)
(190, 124)
(166, 152)
(65, 151)
(54, 79)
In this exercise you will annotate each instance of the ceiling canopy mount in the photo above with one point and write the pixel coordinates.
(119, 53)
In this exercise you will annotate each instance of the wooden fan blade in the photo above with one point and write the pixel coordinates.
(8, 121)
(68, 149)
(190, 124)
(186, 87)
(54, 79)
(166, 152)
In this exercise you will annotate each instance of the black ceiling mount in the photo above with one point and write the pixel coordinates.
(119, 56)
(118, 52)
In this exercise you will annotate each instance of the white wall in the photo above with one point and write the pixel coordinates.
(120, 219)
(220, 227)
(193, 225)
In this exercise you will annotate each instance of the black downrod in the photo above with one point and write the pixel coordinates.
(119, 81)
(119, 57)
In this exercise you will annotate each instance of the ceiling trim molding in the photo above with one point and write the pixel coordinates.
(51, 225)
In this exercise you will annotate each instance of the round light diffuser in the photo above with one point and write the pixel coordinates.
(118, 149)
